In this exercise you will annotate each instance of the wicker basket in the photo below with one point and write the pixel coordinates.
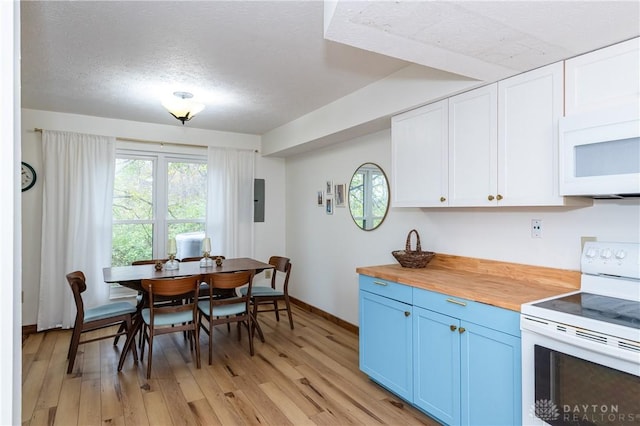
(413, 258)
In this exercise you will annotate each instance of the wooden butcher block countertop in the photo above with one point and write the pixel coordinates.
(501, 284)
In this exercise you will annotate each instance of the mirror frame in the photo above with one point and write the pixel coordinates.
(386, 211)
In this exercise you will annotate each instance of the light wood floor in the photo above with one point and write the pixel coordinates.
(302, 377)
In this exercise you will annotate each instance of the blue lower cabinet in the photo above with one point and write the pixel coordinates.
(491, 379)
(386, 342)
(436, 354)
(455, 359)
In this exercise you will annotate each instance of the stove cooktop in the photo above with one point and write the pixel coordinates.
(603, 308)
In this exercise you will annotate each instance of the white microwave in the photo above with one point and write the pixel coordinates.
(600, 153)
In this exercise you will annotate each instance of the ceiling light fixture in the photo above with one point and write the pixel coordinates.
(182, 106)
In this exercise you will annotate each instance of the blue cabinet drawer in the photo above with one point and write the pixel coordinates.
(400, 292)
(500, 319)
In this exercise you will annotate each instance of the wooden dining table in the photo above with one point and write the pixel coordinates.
(132, 276)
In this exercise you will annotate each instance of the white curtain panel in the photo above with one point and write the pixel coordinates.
(230, 201)
(76, 222)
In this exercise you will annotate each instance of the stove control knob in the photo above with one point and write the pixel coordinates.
(621, 254)
(606, 254)
(591, 253)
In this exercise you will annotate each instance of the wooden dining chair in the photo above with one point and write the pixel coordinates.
(265, 299)
(228, 310)
(120, 313)
(204, 287)
(162, 318)
(139, 295)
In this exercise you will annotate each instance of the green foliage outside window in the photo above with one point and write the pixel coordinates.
(133, 205)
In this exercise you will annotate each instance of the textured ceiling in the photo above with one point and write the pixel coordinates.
(256, 65)
(259, 65)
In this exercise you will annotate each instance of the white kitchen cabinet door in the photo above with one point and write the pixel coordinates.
(473, 147)
(419, 157)
(529, 107)
(604, 78)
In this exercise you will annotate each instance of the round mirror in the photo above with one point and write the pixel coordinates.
(368, 196)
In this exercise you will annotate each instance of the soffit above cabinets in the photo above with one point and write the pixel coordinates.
(484, 40)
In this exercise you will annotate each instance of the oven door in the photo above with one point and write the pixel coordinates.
(569, 382)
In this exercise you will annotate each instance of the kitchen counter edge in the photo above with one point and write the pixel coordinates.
(501, 284)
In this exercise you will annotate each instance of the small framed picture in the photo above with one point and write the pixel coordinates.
(339, 194)
(320, 199)
(329, 206)
(329, 187)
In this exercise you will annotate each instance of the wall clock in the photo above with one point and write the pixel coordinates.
(28, 176)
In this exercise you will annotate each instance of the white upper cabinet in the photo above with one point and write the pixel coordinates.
(529, 107)
(473, 143)
(604, 78)
(419, 157)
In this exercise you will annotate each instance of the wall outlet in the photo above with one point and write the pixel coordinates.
(536, 228)
(267, 273)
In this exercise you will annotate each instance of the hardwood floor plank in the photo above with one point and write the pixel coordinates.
(44, 417)
(178, 354)
(29, 349)
(67, 410)
(215, 396)
(290, 409)
(204, 413)
(133, 406)
(283, 381)
(272, 414)
(245, 410)
(176, 403)
(340, 397)
(45, 349)
(32, 386)
(327, 365)
(56, 372)
(156, 408)
(89, 408)
(110, 397)
(89, 364)
(326, 418)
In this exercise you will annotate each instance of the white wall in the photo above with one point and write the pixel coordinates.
(326, 249)
(269, 236)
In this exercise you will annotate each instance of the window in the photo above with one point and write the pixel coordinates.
(156, 196)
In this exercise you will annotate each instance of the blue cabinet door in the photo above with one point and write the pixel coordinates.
(491, 379)
(436, 348)
(386, 342)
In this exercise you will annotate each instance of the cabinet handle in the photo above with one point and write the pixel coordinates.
(380, 283)
(442, 199)
(499, 197)
(462, 330)
(457, 302)
(490, 197)
(407, 313)
(453, 327)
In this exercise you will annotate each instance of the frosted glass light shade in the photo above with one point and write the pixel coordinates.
(182, 106)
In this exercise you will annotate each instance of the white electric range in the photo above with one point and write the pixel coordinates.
(581, 350)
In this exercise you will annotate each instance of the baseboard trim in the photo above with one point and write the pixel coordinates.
(326, 315)
(28, 330)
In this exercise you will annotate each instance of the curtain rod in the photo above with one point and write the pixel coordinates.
(39, 130)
